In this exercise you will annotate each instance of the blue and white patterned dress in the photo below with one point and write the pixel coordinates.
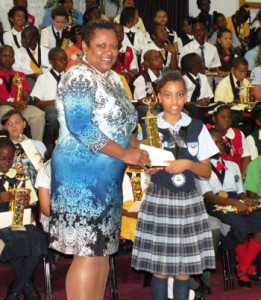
(93, 108)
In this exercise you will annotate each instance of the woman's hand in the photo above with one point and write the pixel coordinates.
(138, 157)
(6, 197)
(177, 166)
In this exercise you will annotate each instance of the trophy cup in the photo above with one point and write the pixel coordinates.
(151, 122)
(17, 204)
(248, 98)
(17, 80)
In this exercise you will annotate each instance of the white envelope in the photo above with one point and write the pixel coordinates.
(32, 153)
(158, 156)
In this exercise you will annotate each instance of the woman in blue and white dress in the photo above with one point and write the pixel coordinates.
(96, 123)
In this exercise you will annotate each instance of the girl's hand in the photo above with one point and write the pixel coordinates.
(19, 170)
(169, 47)
(6, 197)
(153, 170)
(204, 101)
(177, 166)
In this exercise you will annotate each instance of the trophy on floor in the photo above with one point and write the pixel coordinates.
(17, 80)
(151, 121)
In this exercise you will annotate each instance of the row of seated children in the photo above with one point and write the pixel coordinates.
(43, 93)
(23, 250)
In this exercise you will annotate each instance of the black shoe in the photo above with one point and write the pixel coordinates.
(244, 284)
(203, 290)
(34, 295)
(255, 276)
(198, 296)
(206, 289)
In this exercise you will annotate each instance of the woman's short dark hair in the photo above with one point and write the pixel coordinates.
(127, 14)
(173, 76)
(13, 10)
(88, 32)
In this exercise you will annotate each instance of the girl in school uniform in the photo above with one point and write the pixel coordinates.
(173, 235)
(225, 50)
(225, 187)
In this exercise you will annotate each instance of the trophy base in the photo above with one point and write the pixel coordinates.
(18, 227)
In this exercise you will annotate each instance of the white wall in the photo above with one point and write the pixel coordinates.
(226, 7)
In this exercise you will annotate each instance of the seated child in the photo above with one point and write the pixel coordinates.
(31, 59)
(15, 124)
(52, 36)
(44, 91)
(199, 92)
(220, 23)
(161, 43)
(127, 64)
(161, 17)
(74, 51)
(24, 3)
(205, 50)
(186, 32)
(23, 250)
(253, 140)
(17, 17)
(9, 92)
(237, 23)
(234, 84)
(236, 148)
(92, 13)
(75, 15)
(225, 188)
(225, 50)
(145, 84)
(138, 20)
(133, 37)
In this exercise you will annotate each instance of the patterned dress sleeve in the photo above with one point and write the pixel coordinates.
(78, 92)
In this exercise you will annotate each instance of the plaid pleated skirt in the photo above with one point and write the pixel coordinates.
(173, 234)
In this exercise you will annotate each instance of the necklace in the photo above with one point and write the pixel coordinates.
(104, 75)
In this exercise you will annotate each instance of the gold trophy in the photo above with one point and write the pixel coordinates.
(248, 98)
(17, 205)
(17, 80)
(151, 122)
